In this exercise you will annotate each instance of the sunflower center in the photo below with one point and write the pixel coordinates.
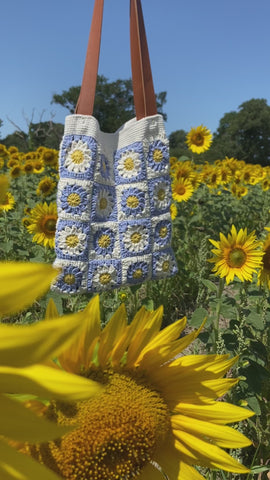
(119, 431)
(266, 259)
(157, 155)
(77, 156)
(50, 225)
(132, 201)
(45, 186)
(129, 164)
(237, 257)
(180, 189)
(198, 139)
(74, 199)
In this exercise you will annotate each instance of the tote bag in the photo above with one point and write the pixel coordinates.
(114, 193)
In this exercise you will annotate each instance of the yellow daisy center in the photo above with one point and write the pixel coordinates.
(137, 273)
(104, 241)
(129, 164)
(77, 156)
(237, 257)
(105, 278)
(74, 199)
(166, 266)
(119, 430)
(69, 279)
(132, 201)
(163, 232)
(157, 155)
(72, 241)
(103, 202)
(136, 237)
(161, 194)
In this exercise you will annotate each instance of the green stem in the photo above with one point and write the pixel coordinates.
(217, 313)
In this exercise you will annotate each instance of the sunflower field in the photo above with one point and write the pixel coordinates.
(158, 371)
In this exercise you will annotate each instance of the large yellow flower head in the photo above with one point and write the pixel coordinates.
(199, 139)
(46, 186)
(23, 349)
(264, 272)
(158, 412)
(182, 190)
(238, 255)
(43, 218)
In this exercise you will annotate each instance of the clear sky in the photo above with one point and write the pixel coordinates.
(209, 56)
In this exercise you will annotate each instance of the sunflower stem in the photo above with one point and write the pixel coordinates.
(217, 313)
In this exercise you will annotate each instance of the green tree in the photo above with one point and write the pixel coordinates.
(46, 134)
(244, 134)
(178, 146)
(113, 102)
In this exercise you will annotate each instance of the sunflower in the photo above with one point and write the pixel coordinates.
(23, 349)
(46, 186)
(173, 211)
(49, 157)
(8, 202)
(157, 415)
(182, 190)
(199, 139)
(15, 171)
(264, 272)
(38, 166)
(237, 255)
(43, 218)
(4, 184)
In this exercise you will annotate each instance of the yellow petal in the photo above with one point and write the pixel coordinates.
(207, 454)
(22, 283)
(113, 330)
(51, 310)
(80, 352)
(20, 423)
(225, 437)
(29, 344)
(16, 466)
(218, 412)
(47, 383)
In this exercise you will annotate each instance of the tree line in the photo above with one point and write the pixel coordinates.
(243, 134)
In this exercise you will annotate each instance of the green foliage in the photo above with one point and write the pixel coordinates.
(178, 146)
(46, 134)
(244, 134)
(113, 102)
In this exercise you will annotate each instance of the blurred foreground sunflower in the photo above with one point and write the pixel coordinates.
(238, 255)
(8, 202)
(199, 139)
(157, 416)
(43, 218)
(23, 349)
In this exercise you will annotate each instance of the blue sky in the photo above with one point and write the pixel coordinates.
(209, 56)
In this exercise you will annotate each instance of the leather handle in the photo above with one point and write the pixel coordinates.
(143, 89)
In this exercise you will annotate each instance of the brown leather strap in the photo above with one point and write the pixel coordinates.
(85, 104)
(144, 94)
(143, 88)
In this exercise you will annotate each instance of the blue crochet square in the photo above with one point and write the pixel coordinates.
(136, 270)
(164, 264)
(74, 198)
(162, 231)
(103, 203)
(135, 237)
(158, 157)
(129, 164)
(71, 240)
(73, 277)
(160, 195)
(104, 241)
(78, 154)
(104, 274)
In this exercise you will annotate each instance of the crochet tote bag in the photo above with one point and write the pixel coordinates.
(114, 194)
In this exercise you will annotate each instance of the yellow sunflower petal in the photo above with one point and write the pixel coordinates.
(51, 310)
(20, 423)
(25, 345)
(212, 457)
(112, 331)
(16, 466)
(218, 412)
(225, 437)
(22, 283)
(46, 382)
